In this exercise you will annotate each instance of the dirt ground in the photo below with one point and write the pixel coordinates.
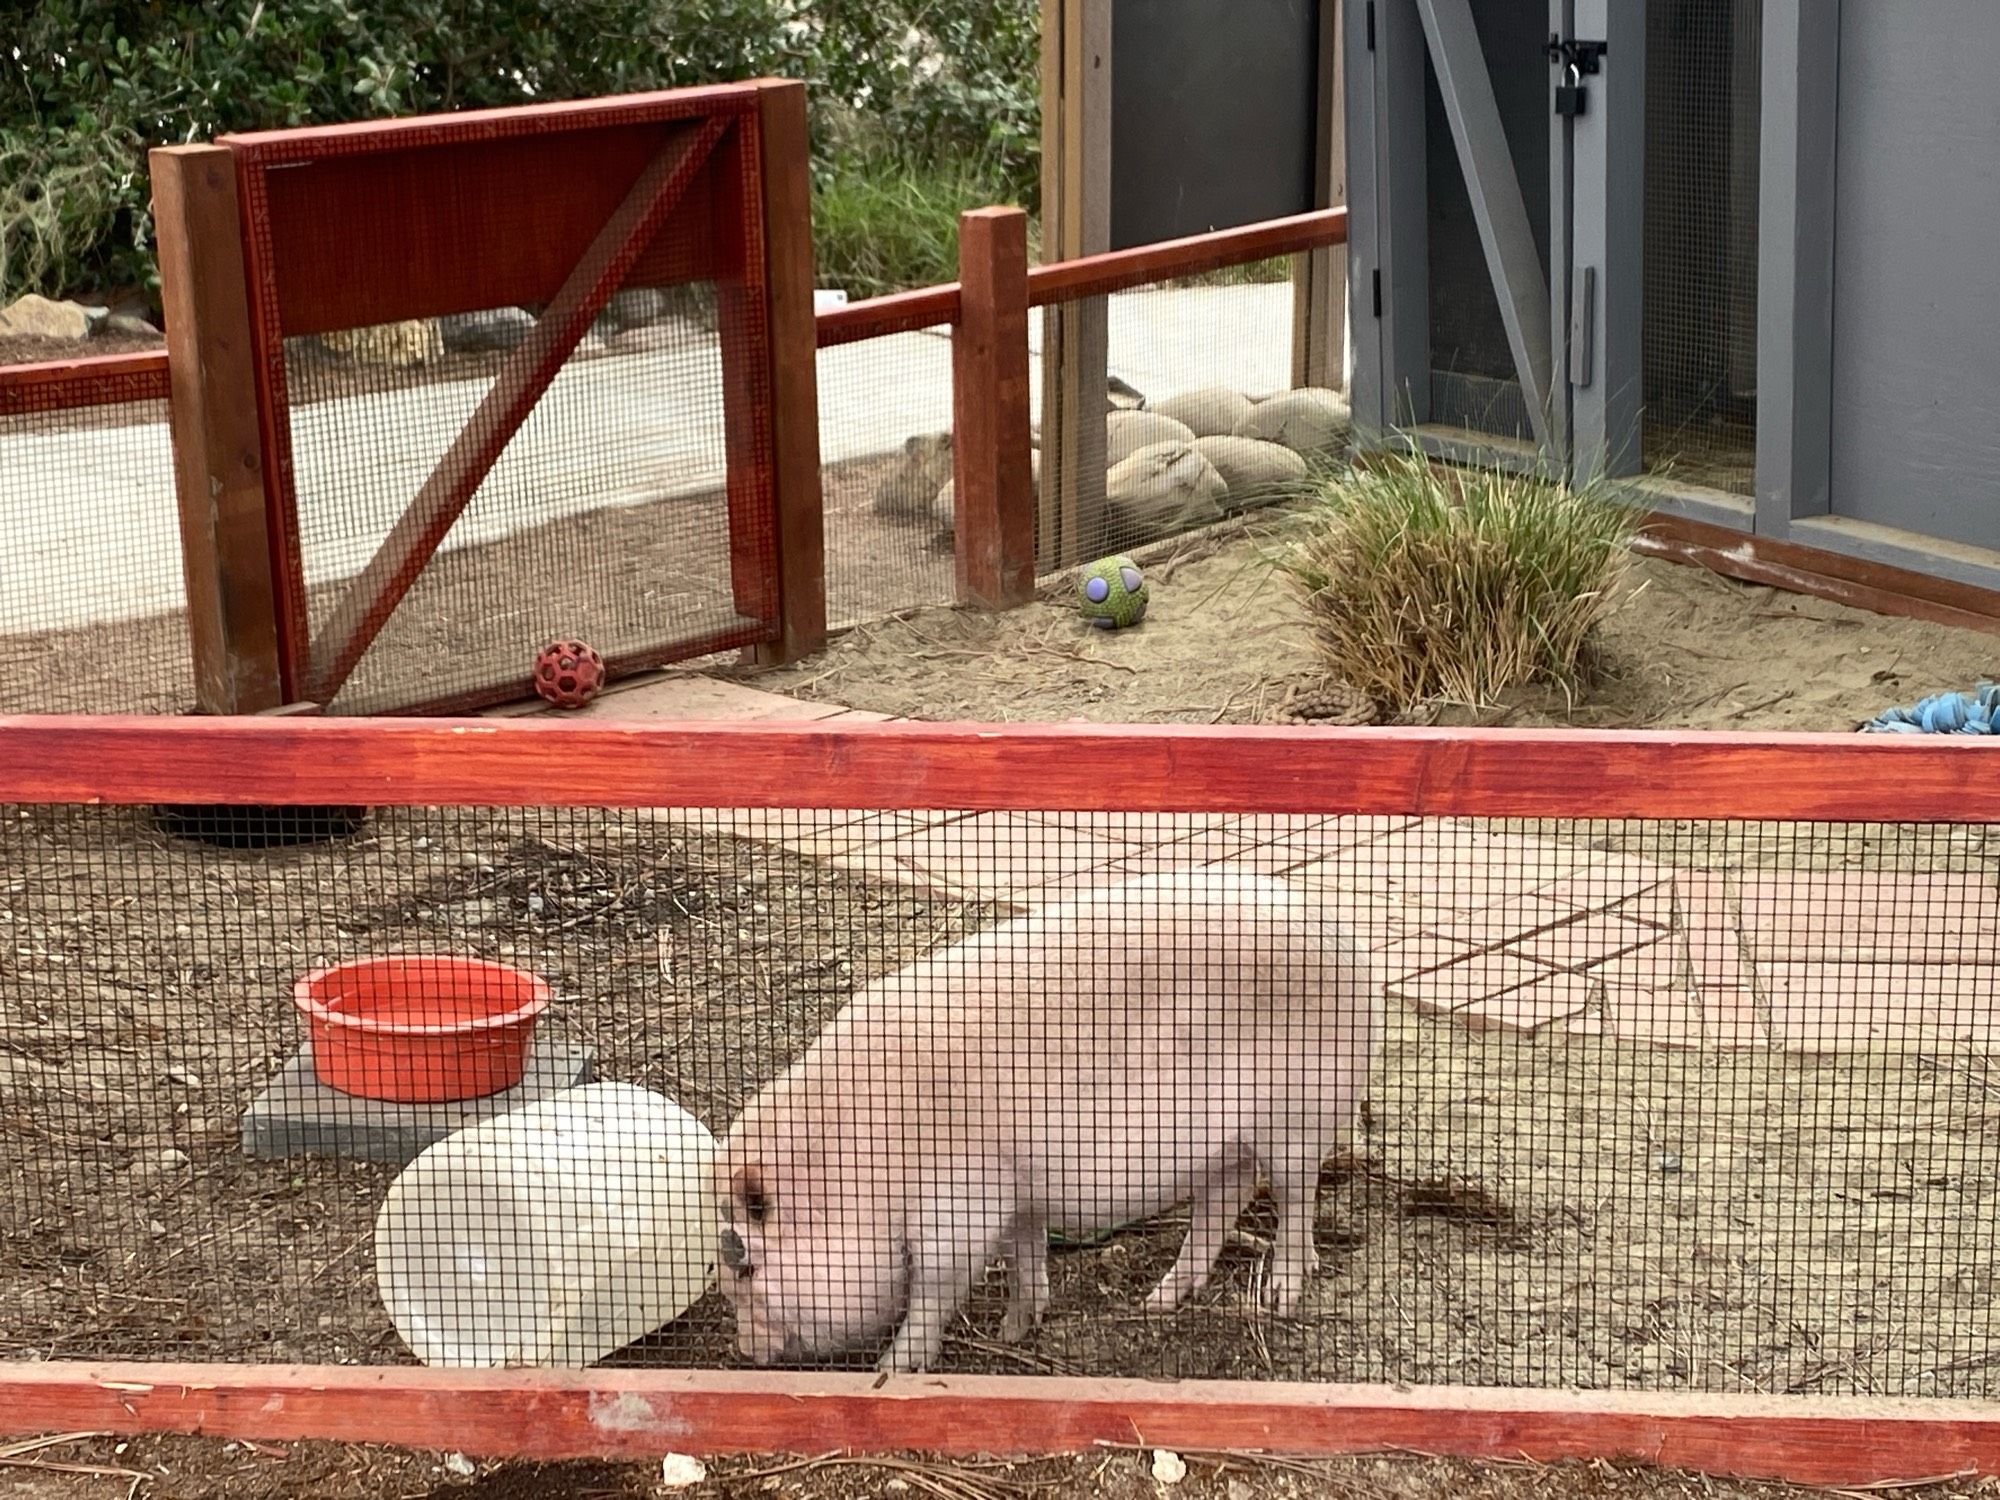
(1225, 637)
(625, 579)
(195, 1469)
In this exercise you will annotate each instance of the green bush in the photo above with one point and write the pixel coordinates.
(88, 85)
(883, 222)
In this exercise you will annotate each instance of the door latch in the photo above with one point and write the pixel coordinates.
(1576, 59)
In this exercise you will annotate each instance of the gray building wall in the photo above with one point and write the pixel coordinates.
(1916, 324)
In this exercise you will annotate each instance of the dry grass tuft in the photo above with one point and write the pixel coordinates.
(1428, 584)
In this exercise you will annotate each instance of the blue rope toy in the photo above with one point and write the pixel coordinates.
(1976, 712)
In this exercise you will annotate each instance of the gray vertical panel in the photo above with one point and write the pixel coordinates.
(1502, 215)
(1364, 329)
(1402, 218)
(1216, 125)
(1561, 174)
(1609, 241)
(1795, 259)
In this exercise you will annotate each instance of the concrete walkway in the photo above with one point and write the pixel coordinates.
(88, 531)
(1493, 929)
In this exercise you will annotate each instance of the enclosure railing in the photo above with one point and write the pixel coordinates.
(1559, 830)
(87, 469)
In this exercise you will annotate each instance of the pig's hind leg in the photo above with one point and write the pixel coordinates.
(1028, 1279)
(1295, 1192)
(1218, 1201)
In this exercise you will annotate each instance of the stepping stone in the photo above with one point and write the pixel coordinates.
(297, 1115)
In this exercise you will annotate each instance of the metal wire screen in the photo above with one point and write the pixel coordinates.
(1473, 380)
(606, 518)
(93, 602)
(1202, 423)
(1703, 112)
(885, 444)
(1628, 1104)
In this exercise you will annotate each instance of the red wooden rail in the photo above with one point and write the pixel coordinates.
(1097, 275)
(878, 317)
(976, 767)
(99, 380)
(632, 1414)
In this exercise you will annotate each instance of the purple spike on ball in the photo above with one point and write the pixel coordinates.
(1131, 578)
(1097, 590)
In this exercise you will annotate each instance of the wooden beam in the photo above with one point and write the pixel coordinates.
(219, 471)
(97, 380)
(1319, 278)
(1115, 270)
(374, 593)
(793, 376)
(878, 317)
(1076, 222)
(635, 1414)
(1801, 569)
(992, 476)
(1486, 773)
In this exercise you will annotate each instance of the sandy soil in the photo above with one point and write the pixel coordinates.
(1225, 638)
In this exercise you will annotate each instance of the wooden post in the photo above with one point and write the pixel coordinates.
(992, 482)
(794, 386)
(218, 459)
(1076, 221)
(1319, 277)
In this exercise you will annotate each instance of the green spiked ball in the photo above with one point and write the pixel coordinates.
(1112, 593)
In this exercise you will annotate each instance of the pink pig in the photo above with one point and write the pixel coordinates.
(1173, 1038)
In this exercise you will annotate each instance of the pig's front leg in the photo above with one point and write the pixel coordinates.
(1218, 1203)
(950, 1251)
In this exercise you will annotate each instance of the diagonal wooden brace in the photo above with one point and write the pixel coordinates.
(376, 591)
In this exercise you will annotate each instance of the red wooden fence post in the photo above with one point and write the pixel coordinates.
(992, 481)
(218, 455)
(794, 387)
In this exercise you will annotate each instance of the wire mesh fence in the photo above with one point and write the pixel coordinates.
(93, 602)
(1201, 423)
(1703, 112)
(606, 518)
(885, 452)
(1630, 1104)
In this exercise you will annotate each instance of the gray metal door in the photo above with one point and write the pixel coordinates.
(1495, 263)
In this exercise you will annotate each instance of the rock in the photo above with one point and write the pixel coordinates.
(678, 1471)
(1308, 420)
(1161, 489)
(1126, 432)
(633, 308)
(495, 329)
(415, 341)
(910, 491)
(1212, 411)
(131, 325)
(36, 316)
(673, 333)
(946, 506)
(1253, 470)
(1122, 397)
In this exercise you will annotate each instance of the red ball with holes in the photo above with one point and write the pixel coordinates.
(568, 673)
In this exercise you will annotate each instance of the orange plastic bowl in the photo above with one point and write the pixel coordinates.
(418, 1029)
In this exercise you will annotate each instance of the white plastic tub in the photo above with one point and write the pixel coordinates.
(551, 1235)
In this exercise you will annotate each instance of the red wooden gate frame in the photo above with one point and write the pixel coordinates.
(563, 205)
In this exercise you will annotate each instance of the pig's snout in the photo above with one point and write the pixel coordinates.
(735, 1255)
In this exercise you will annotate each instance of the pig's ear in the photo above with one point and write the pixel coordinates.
(747, 1188)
